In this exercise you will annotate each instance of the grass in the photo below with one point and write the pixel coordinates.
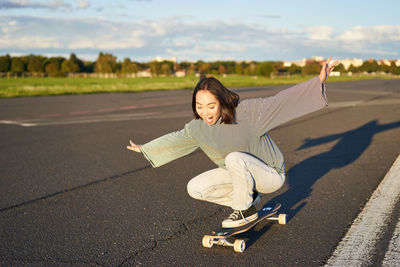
(26, 87)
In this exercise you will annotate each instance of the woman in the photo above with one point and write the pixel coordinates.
(234, 135)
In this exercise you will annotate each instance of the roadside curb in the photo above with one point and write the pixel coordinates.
(357, 246)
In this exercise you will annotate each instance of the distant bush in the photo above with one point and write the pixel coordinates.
(106, 63)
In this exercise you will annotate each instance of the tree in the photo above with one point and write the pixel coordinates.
(369, 66)
(221, 69)
(250, 68)
(213, 67)
(294, 69)
(128, 66)
(35, 64)
(17, 65)
(155, 68)
(203, 67)
(230, 67)
(53, 66)
(239, 68)
(278, 67)
(88, 66)
(53, 69)
(311, 68)
(72, 65)
(188, 66)
(340, 68)
(265, 68)
(353, 69)
(395, 70)
(166, 69)
(105, 63)
(385, 68)
(5, 63)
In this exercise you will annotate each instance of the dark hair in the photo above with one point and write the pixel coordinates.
(228, 100)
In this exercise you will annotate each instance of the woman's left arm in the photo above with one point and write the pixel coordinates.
(291, 103)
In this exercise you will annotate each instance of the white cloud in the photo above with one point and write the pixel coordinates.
(375, 40)
(271, 16)
(18, 4)
(83, 4)
(58, 4)
(320, 33)
(192, 40)
(32, 41)
(9, 26)
(372, 34)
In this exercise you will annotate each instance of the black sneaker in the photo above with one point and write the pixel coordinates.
(240, 217)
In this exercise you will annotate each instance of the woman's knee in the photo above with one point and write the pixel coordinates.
(271, 185)
(204, 184)
(192, 189)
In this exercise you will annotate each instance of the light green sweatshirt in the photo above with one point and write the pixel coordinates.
(254, 118)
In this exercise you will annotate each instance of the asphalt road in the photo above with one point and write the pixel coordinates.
(71, 194)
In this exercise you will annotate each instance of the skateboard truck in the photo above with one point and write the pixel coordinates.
(238, 245)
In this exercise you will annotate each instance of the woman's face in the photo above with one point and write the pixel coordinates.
(208, 107)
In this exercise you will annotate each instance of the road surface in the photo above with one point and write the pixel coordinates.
(72, 194)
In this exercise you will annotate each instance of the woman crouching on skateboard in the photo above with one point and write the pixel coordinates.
(234, 135)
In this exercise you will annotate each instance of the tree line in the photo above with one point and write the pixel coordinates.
(105, 63)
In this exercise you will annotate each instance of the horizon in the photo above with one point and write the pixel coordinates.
(160, 59)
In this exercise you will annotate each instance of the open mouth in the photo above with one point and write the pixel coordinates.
(209, 120)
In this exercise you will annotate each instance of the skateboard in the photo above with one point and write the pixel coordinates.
(220, 237)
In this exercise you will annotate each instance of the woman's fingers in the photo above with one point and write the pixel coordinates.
(327, 68)
(329, 60)
(133, 146)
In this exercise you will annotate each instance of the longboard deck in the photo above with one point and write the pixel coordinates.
(265, 212)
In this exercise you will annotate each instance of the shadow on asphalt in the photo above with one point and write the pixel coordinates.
(255, 233)
(350, 146)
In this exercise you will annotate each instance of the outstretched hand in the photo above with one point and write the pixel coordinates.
(326, 69)
(134, 147)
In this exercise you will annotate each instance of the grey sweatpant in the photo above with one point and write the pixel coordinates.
(234, 185)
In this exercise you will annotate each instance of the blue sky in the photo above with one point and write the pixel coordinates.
(202, 30)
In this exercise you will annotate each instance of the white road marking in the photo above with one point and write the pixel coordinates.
(96, 118)
(344, 104)
(74, 113)
(364, 92)
(357, 246)
(383, 102)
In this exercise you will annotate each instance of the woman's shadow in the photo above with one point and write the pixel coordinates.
(350, 146)
(302, 176)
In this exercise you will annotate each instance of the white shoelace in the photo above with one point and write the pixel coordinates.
(235, 215)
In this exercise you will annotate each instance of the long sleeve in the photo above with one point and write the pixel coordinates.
(296, 101)
(169, 147)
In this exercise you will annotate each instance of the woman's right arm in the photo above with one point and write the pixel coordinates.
(167, 147)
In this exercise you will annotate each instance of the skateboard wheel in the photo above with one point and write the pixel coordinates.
(282, 219)
(207, 241)
(239, 245)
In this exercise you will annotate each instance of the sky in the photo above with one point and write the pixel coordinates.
(202, 30)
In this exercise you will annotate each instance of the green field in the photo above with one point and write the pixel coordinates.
(24, 87)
